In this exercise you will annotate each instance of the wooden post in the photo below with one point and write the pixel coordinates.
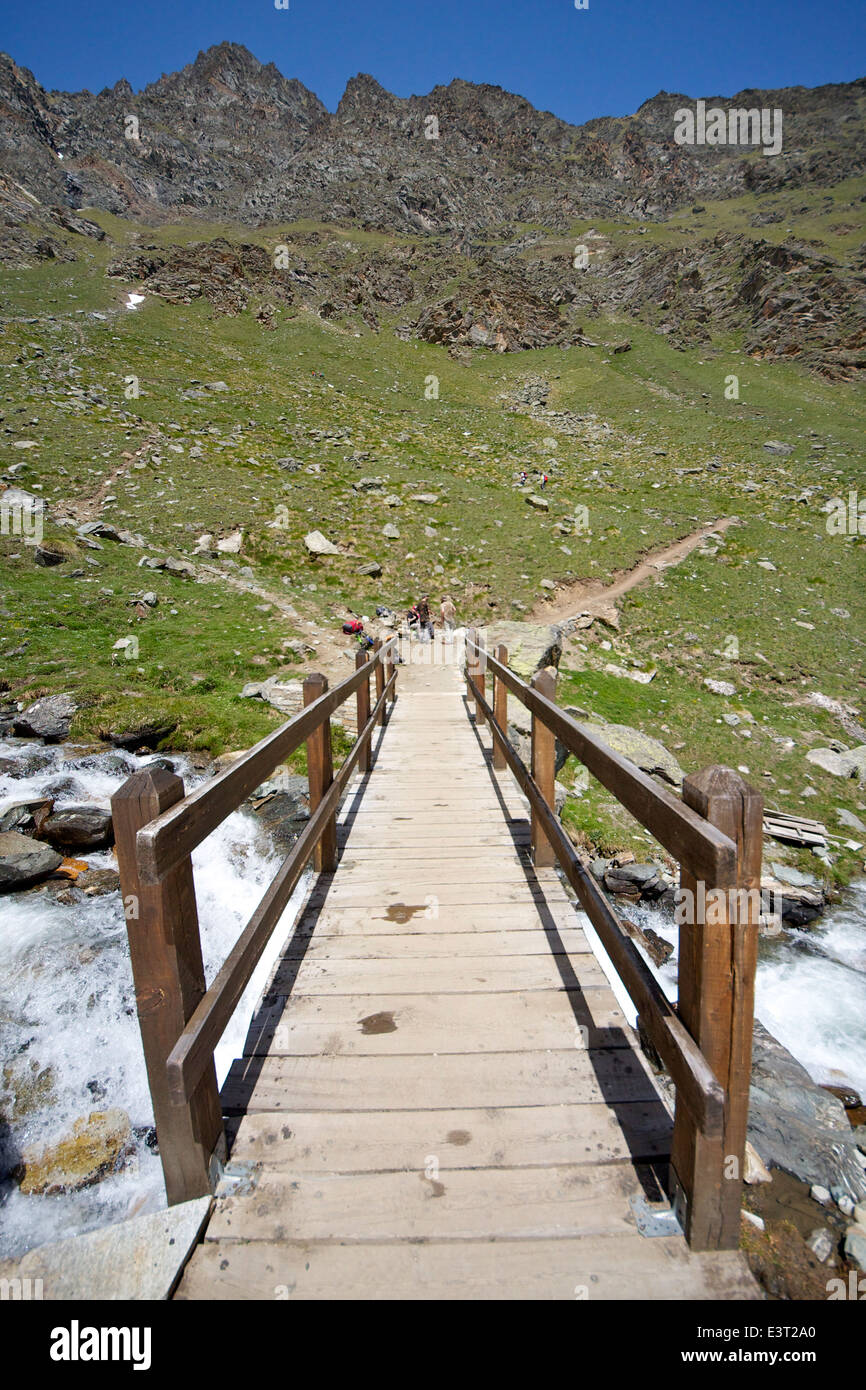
(389, 671)
(380, 678)
(167, 970)
(500, 709)
(718, 947)
(543, 770)
(362, 699)
(479, 676)
(469, 659)
(320, 772)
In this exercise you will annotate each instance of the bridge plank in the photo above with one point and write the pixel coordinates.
(361, 1024)
(618, 1268)
(462, 1204)
(324, 974)
(385, 1140)
(432, 942)
(448, 1081)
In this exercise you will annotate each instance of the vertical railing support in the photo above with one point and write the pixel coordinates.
(543, 770)
(168, 973)
(500, 709)
(718, 946)
(389, 671)
(320, 773)
(469, 658)
(479, 665)
(362, 705)
(380, 678)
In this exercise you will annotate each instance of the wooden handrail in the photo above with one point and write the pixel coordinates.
(709, 853)
(694, 1079)
(195, 1046)
(168, 840)
(715, 833)
(157, 828)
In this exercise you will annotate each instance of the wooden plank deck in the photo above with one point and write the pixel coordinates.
(440, 1097)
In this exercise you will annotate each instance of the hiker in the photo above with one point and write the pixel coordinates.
(413, 618)
(523, 477)
(449, 616)
(543, 481)
(426, 621)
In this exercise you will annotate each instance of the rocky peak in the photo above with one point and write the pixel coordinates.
(364, 95)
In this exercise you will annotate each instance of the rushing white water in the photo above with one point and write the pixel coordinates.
(810, 989)
(67, 1004)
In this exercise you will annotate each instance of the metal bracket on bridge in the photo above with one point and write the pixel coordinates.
(654, 1220)
(239, 1178)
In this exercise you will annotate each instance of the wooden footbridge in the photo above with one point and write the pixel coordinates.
(440, 1096)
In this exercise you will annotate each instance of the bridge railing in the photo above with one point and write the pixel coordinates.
(715, 834)
(156, 828)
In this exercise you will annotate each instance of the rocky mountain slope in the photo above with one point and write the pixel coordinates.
(233, 137)
(478, 227)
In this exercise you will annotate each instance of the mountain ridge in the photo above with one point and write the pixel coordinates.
(231, 136)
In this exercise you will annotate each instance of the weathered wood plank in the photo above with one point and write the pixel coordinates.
(616, 1268)
(323, 974)
(359, 1024)
(420, 945)
(462, 1204)
(439, 1082)
(392, 1140)
(415, 916)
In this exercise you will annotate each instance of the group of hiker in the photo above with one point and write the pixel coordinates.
(420, 620)
(523, 479)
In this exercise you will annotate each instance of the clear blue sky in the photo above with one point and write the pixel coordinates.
(602, 61)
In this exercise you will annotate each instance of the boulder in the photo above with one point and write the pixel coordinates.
(230, 545)
(796, 1125)
(373, 569)
(287, 696)
(531, 646)
(47, 556)
(49, 718)
(634, 880)
(23, 860)
(720, 687)
(317, 544)
(391, 532)
(79, 827)
(855, 1246)
(829, 761)
(26, 816)
(146, 733)
(775, 446)
(97, 882)
(645, 752)
(94, 1149)
(540, 504)
(283, 807)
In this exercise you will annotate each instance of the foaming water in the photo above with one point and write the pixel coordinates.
(69, 1035)
(810, 988)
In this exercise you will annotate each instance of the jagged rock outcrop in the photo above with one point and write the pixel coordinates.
(234, 136)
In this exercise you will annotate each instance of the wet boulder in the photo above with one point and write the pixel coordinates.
(79, 827)
(24, 861)
(26, 817)
(94, 1149)
(634, 881)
